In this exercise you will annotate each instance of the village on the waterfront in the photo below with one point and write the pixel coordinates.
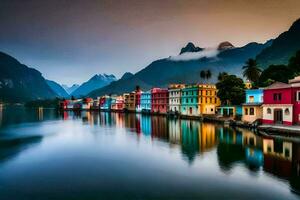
(276, 107)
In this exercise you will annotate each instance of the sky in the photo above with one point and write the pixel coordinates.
(70, 41)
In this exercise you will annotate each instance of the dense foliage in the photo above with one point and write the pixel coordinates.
(251, 71)
(231, 90)
(49, 103)
(281, 73)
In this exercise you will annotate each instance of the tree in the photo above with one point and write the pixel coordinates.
(294, 63)
(222, 75)
(280, 73)
(231, 90)
(251, 71)
(202, 74)
(205, 74)
(208, 74)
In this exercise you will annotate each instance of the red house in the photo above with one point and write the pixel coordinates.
(159, 100)
(282, 103)
(63, 104)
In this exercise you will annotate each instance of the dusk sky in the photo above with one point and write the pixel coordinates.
(70, 41)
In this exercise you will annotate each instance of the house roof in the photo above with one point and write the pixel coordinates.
(295, 80)
(278, 85)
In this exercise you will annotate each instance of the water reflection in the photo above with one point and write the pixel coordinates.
(233, 148)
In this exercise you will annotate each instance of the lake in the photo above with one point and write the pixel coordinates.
(45, 154)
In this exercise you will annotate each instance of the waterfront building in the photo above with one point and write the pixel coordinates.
(146, 101)
(118, 103)
(138, 93)
(87, 103)
(230, 111)
(113, 103)
(189, 100)
(159, 100)
(130, 101)
(95, 105)
(62, 104)
(175, 98)
(208, 99)
(282, 103)
(252, 108)
(105, 103)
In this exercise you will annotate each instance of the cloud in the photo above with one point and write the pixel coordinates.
(208, 53)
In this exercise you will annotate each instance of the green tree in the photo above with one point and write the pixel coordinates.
(208, 74)
(221, 75)
(294, 63)
(273, 73)
(251, 71)
(202, 74)
(231, 90)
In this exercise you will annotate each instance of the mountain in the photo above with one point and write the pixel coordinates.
(282, 48)
(162, 72)
(127, 75)
(225, 45)
(19, 83)
(71, 89)
(190, 47)
(96, 82)
(58, 89)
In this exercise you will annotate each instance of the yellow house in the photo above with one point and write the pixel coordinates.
(208, 99)
(129, 99)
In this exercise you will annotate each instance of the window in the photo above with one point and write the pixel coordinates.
(275, 96)
(251, 111)
(251, 99)
(287, 111)
(298, 95)
(246, 111)
(269, 111)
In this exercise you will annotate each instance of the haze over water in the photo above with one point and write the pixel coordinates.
(91, 155)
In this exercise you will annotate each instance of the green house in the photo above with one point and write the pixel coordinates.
(189, 101)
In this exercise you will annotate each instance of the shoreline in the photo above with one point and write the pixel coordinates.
(266, 129)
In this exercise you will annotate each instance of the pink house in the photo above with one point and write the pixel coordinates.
(282, 103)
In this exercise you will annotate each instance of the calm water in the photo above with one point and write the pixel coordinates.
(47, 155)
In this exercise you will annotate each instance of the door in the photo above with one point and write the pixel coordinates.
(278, 115)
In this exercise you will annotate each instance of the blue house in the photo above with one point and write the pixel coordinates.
(146, 101)
(229, 111)
(252, 110)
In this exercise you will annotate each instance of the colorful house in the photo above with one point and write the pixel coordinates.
(159, 100)
(175, 98)
(189, 101)
(146, 101)
(229, 111)
(105, 103)
(282, 103)
(130, 101)
(117, 103)
(252, 109)
(138, 94)
(208, 99)
(87, 103)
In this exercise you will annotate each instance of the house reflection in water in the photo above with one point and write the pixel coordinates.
(190, 139)
(233, 146)
(159, 128)
(207, 139)
(146, 125)
(174, 131)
